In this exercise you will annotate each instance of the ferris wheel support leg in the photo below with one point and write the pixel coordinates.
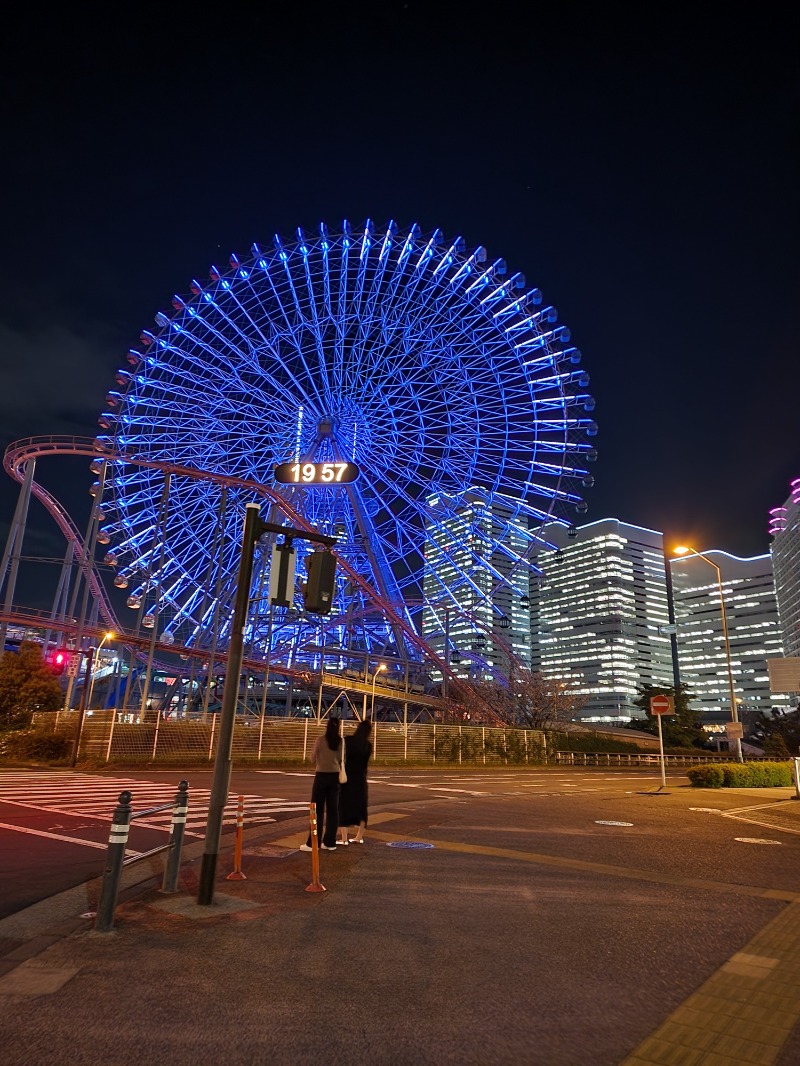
(159, 536)
(13, 549)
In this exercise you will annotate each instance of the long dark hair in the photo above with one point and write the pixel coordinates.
(332, 730)
(361, 735)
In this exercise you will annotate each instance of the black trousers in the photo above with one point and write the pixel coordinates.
(325, 794)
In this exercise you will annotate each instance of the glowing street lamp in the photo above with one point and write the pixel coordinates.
(374, 679)
(109, 636)
(681, 550)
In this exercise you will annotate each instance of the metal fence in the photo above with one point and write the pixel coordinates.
(108, 738)
(603, 758)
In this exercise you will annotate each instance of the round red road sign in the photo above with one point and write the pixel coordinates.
(660, 705)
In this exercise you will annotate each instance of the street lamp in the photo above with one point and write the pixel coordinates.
(108, 636)
(731, 690)
(374, 679)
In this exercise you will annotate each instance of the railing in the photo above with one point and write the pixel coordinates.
(118, 840)
(605, 758)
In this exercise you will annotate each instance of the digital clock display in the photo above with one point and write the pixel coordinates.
(316, 473)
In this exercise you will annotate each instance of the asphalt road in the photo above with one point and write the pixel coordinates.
(554, 917)
(54, 824)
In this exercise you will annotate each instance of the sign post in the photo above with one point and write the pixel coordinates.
(662, 705)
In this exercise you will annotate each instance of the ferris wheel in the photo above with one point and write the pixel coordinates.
(440, 374)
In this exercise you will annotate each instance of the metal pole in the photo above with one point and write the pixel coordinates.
(14, 546)
(117, 840)
(82, 710)
(673, 636)
(223, 761)
(727, 644)
(177, 828)
(661, 750)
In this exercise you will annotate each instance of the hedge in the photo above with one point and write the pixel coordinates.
(742, 775)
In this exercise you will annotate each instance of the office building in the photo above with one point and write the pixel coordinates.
(754, 633)
(475, 575)
(784, 527)
(600, 615)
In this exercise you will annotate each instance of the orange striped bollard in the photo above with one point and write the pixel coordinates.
(315, 885)
(237, 874)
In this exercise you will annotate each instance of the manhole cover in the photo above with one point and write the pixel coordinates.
(612, 823)
(408, 844)
(755, 840)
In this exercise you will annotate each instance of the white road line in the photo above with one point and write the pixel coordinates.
(57, 836)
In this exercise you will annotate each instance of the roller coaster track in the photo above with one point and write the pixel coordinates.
(20, 452)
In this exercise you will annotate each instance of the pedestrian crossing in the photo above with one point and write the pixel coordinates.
(88, 795)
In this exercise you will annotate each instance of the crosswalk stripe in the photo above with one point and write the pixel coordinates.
(41, 791)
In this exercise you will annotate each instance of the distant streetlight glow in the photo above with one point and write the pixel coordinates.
(109, 636)
(374, 679)
(682, 550)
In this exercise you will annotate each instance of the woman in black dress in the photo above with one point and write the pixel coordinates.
(353, 798)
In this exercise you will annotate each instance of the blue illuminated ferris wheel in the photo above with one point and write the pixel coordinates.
(442, 375)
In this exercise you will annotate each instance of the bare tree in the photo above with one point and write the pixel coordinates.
(529, 700)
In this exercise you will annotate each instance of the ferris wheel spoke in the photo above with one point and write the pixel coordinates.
(431, 367)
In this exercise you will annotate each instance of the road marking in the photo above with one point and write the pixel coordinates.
(629, 873)
(56, 836)
(597, 821)
(756, 840)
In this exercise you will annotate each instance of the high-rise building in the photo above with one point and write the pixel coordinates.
(600, 615)
(480, 617)
(784, 526)
(751, 612)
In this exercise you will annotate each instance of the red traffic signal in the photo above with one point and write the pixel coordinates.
(57, 661)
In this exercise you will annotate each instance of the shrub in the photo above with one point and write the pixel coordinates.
(34, 745)
(767, 775)
(591, 742)
(709, 776)
(737, 775)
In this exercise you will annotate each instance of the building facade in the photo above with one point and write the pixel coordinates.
(600, 615)
(754, 633)
(477, 617)
(784, 527)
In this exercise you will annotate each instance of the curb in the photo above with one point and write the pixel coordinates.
(42, 924)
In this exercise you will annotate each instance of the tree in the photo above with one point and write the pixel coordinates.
(680, 730)
(781, 733)
(26, 685)
(529, 700)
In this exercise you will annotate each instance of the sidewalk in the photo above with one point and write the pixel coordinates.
(454, 953)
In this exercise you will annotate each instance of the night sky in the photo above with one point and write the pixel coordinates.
(639, 165)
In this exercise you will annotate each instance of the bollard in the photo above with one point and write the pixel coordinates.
(315, 885)
(117, 840)
(796, 762)
(177, 828)
(237, 874)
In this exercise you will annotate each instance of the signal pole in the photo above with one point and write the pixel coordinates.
(254, 528)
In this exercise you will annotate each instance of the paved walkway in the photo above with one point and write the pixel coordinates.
(457, 953)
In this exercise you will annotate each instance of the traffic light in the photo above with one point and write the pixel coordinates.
(318, 591)
(57, 661)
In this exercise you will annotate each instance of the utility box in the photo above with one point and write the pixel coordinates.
(321, 585)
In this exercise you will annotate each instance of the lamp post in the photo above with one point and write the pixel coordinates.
(378, 670)
(108, 636)
(731, 690)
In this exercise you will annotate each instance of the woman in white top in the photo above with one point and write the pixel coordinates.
(328, 756)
